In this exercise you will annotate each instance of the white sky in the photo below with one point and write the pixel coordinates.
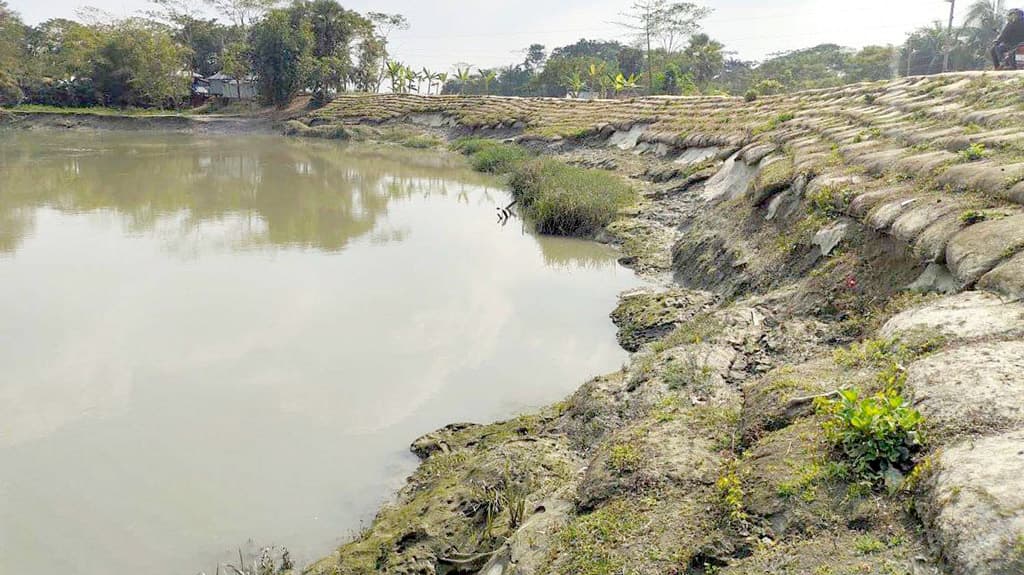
(489, 33)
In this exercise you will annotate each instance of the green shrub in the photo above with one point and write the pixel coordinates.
(499, 158)
(750, 96)
(470, 146)
(559, 199)
(568, 200)
(874, 433)
(830, 200)
(971, 217)
(295, 128)
(973, 153)
(420, 142)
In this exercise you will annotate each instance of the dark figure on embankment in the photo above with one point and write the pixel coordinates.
(1008, 40)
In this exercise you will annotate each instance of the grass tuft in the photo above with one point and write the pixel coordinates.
(560, 199)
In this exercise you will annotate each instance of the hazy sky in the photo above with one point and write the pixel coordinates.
(495, 32)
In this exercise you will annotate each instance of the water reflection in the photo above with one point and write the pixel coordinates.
(205, 340)
(263, 190)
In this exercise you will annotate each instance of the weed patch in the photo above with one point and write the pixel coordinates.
(875, 434)
(569, 200)
(973, 153)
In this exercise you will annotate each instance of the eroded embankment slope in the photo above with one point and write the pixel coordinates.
(869, 237)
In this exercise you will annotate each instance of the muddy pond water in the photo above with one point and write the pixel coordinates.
(216, 342)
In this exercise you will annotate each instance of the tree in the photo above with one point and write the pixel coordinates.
(871, 64)
(11, 33)
(243, 13)
(923, 51)
(487, 76)
(704, 58)
(334, 33)
(279, 54)
(385, 25)
(662, 22)
(463, 75)
(138, 63)
(235, 62)
(984, 20)
(366, 75)
(535, 57)
(206, 39)
(575, 83)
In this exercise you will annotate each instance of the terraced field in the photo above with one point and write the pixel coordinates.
(869, 238)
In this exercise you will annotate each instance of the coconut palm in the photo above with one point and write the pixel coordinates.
(442, 81)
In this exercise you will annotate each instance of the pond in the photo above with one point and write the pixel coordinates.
(220, 341)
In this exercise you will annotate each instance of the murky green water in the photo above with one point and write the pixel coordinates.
(206, 341)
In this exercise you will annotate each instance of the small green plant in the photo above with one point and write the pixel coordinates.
(973, 153)
(829, 200)
(624, 458)
(775, 122)
(750, 96)
(971, 217)
(699, 329)
(874, 433)
(730, 491)
(870, 99)
(470, 146)
(868, 544)
(688, 372)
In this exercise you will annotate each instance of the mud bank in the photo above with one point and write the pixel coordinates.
(867, 237)
(170, 123)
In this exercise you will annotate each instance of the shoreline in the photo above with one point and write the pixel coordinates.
(76, 119)
(705, 454)
(803, 244)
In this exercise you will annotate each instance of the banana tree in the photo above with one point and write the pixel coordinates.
(575, 83)
(487, 76)
(596, 72)
(396, 72)
(427, 75)
(623, 83)
(463, 75)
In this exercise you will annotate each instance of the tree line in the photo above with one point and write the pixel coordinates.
(149, 60)
(320, 47)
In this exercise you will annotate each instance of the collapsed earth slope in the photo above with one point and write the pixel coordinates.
(866, 238)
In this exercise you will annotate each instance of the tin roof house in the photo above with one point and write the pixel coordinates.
(223, 86)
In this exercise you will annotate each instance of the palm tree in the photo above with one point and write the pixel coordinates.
(442, 81)
(463, 74)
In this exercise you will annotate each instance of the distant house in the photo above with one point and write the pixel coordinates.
(200, 90)
(223, 86)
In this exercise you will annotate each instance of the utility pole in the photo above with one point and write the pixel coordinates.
(949, 36)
